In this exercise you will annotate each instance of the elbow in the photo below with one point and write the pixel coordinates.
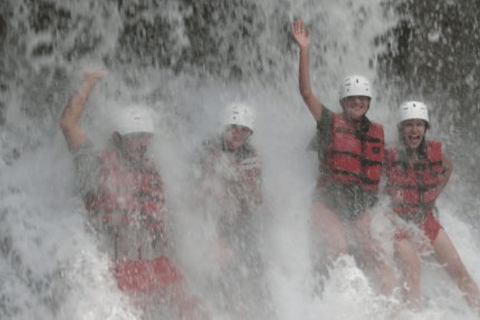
(305, 93)
(64, 123)
(65, 119)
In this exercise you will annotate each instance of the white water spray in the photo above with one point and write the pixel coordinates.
(50, 266)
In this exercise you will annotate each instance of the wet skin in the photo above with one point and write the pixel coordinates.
(413, 132)
(356, 107)
(235, 136)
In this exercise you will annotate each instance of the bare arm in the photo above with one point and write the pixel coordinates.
(302, 38)
(69, 121)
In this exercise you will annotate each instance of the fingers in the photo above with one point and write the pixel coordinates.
(94, 74)
(298, 25)
(91, 77)
(299, 28)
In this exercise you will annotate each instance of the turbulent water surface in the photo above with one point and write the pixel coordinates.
(188, 59)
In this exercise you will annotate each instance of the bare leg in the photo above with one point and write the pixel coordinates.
(448, 255)
(373, 253)
(329, 229)
(410, 265)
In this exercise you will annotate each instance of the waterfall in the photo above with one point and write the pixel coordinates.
(188, 59)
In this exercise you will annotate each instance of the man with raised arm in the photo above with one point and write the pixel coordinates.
(123, 193)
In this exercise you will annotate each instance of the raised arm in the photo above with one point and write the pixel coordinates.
(69, 121)
(302, 38)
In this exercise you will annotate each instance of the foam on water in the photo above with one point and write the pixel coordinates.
(188, 68)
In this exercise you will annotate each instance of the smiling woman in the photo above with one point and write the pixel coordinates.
(412, 132)
(417, 173)
(414, 122)
(187, 60)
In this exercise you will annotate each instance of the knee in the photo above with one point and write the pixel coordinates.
(407, 257)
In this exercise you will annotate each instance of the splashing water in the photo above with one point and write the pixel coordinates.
(188, 59)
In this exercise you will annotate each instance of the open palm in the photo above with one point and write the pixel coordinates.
(93, 75)
(301, 34)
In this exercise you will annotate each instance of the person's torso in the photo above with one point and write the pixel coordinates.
(412, 181)
(354, 154)
(239, 170)
(128, 207)
(233, 178)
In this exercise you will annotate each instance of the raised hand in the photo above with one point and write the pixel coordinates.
(92, 76)
(301, 34)
(69, 121)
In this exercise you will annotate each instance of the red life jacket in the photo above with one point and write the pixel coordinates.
(125, 195)
(242, 165)
(353, 157)
(412, 186)
(146, 276)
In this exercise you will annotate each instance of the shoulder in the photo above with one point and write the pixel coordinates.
(208, 146)
(433, 147)
(208, 150)
(83, 148)
(376, 125)
(434, 144)
(85, 154)
(322, 135)
(375, 128)
(327, 118)
(434, 150)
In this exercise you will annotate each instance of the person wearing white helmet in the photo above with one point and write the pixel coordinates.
(230, 191)
(123, 194)
(417, 172)
(239, 125)
(351, 151)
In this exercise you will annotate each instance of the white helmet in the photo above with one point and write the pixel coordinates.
(355, 86)
(135, 118)
(413, 110)
(239, 114)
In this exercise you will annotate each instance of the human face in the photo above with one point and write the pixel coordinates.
(235, 136)
(136, 145)
(413, 132)
(356, 107)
